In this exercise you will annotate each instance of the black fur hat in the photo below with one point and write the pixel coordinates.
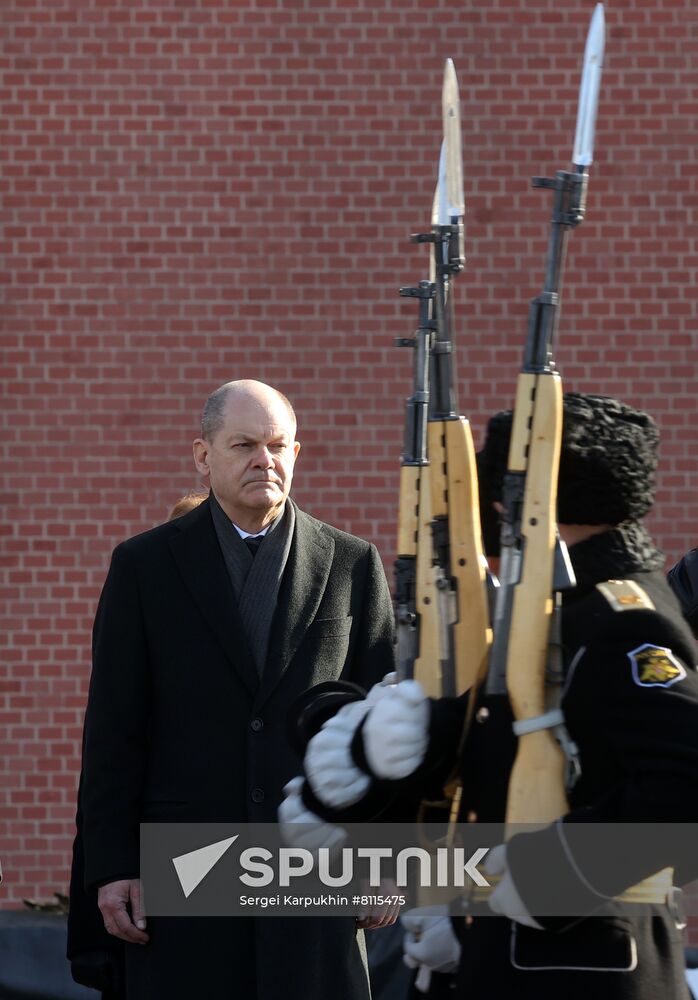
(607, 462)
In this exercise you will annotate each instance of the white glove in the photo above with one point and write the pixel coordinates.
(431, 945)
(329, 767)
(331, 772)
(389, 680)
(505, 898)
(302, 828)
(422, 980)
(395, 733)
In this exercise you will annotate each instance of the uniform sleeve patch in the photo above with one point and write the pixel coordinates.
(655, 666)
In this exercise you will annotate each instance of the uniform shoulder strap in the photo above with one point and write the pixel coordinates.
(625, 595)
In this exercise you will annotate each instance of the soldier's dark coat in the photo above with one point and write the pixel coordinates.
(638, 742)
(180, 728)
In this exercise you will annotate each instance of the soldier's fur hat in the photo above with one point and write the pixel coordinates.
(607, 462)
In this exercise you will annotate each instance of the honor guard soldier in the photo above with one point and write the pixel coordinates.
(627, 717)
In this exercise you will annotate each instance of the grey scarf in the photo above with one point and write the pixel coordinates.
(256, 579)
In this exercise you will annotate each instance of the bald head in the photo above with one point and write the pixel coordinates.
(243, 391)
(247, 451)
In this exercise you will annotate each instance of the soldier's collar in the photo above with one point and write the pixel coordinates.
(622, 551)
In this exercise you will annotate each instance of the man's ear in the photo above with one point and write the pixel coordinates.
(201, 449)
(296, 449)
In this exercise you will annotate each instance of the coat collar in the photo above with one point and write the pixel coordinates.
(304, 582)
(198, 556)
(200, 561)
(624, 550)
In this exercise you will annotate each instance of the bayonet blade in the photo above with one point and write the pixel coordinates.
(583, 152)
(441, 201)
(436, 217)
(452, 143)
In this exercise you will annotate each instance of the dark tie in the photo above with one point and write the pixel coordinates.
(253, 542)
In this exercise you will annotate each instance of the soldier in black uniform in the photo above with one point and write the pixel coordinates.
(630, 704)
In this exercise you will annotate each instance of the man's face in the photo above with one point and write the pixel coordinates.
(250, 459)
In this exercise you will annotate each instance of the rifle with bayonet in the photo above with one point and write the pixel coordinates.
(525, 660)
(441, 596)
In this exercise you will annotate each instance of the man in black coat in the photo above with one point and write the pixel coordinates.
(207, 629)
(630, 704)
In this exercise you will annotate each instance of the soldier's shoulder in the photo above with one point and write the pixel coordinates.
(625, 595)
(642, 607)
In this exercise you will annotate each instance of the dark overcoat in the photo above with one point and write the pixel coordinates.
(181, 728)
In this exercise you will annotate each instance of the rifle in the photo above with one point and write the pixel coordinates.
(526, 653)
(441, 597)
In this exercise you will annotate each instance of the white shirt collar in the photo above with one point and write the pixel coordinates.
(249, 534)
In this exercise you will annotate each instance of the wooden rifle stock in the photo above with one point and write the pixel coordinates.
(536, 785)
(455, 499)
(419, 656)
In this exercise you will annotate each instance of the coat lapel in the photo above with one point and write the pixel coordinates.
(197, 553)
(303, 585)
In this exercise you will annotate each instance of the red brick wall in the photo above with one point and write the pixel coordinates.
(195, 192)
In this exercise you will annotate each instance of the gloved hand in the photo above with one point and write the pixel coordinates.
(431, 945)
(329, 767)
(302, 828)
(505, 899)
(396, 731)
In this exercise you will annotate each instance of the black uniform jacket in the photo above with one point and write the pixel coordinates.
(181, 728)
(630, 703)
